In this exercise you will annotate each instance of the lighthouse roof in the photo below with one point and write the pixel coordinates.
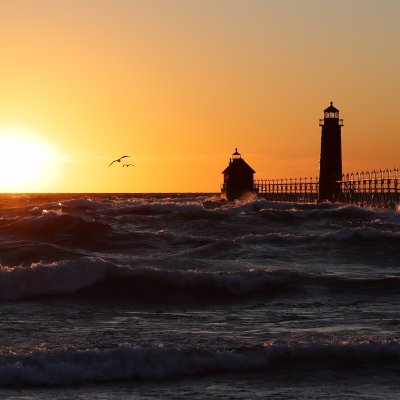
(238, 164)
(331, 108)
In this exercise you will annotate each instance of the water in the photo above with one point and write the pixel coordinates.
(186, 296)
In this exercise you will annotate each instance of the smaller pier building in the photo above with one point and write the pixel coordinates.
(238, 179)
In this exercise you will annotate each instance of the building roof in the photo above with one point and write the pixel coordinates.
(237, 164)
(331, 108)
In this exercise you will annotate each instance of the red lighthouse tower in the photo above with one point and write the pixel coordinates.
(330, 165)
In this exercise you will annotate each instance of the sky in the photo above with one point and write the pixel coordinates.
(179, 84)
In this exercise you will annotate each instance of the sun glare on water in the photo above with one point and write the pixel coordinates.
(27, 163)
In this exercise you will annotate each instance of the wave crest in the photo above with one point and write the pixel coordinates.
(95, 277)
(51, 223)
(353, 235)
(66, 367)
(67, 276)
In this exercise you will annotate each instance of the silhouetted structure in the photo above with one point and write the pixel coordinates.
(303, 190)
(238, 178)
(330, 165)
(377, 188)
(371, 188)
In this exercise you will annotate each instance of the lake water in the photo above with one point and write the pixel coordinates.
(186, 296)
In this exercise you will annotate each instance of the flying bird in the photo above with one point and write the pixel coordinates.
(128, 165)
(117, 160)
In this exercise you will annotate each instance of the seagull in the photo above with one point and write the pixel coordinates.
(128, 165)
(118, 160)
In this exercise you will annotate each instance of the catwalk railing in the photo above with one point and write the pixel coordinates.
(378, 188)
(371, 188)
(304, 190)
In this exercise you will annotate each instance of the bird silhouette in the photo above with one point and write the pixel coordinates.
(117, 160)
(128, 165)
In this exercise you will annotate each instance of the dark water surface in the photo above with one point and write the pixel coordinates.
(185, 296)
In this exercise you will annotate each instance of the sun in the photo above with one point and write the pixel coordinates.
(26, 161)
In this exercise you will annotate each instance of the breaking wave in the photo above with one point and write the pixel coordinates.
(51, 223)
(96, 277)
(67, 367)
(41, 279)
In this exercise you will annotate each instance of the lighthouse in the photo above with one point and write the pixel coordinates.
(330, 165)
(238, 178)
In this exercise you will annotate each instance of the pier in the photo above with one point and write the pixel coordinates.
(375, 188)
(371, 188)
(304, 190)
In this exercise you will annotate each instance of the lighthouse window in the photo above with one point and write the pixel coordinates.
(331, 115)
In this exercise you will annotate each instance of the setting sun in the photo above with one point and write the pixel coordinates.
(26, 162)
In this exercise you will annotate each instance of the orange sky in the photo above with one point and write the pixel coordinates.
(179, 84)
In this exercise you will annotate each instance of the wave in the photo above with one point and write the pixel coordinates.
(95, 277)
(298, 210)
(51, 223)
(26, 252)
(201, 206)
(146, 205)
(340, 211)
(106, 278)
(56, 226)
(68, 367)
(209, 205)
(364, 235)
(40, 279)
(84, 204)
(276, 211)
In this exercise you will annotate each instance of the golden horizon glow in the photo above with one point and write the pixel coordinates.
(179, 84)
